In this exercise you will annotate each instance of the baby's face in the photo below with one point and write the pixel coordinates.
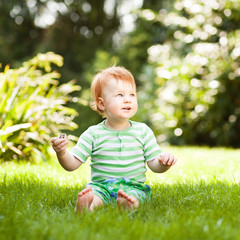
(119, 99)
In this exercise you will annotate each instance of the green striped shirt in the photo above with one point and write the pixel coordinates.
(117, 154)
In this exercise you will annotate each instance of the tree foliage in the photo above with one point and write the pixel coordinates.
(191, 82)
(77, 30)
(184, 55)
(74, 29)
(33, 108)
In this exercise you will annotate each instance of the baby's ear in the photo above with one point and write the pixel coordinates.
(100, 104)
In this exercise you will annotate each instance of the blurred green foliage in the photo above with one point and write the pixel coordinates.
(184, 55)
(197, 73)
(75, 29)
(33, 108)
(190, 84)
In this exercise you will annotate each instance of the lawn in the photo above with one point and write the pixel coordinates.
(198, 198)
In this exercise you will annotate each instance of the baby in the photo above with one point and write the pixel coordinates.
(119, 148)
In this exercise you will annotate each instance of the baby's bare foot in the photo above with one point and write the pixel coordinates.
(84, 199)
(126, 201)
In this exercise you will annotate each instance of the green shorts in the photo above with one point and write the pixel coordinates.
(107, 190)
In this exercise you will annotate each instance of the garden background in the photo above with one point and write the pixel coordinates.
(184, 55)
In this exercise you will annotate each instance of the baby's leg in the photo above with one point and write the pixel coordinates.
(127, 201)
(86, 200)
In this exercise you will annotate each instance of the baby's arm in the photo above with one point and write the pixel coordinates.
(162, 163)
(65, 158)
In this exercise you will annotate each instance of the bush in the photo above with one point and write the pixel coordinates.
(194, 68)
(33, 108)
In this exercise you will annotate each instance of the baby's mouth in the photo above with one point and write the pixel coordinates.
(126, 108)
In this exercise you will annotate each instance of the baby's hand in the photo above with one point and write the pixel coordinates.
(167, 159)
(59, 144)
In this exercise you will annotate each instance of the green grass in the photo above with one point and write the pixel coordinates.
(199, 198)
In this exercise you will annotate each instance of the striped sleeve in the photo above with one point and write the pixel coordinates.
(151, 148)
(83, 149)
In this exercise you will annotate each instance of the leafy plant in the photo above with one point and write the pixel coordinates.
(33, 108)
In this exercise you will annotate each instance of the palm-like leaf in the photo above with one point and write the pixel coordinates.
(33, 108)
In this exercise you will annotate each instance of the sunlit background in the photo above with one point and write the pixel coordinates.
(184, 55)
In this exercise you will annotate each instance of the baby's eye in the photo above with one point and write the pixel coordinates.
(132, 95)
(119, 95)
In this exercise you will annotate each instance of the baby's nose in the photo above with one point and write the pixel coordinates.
(127, 99)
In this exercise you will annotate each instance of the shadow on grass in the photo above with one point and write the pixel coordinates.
(41, 210)
(33, 194)
(45, 195)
